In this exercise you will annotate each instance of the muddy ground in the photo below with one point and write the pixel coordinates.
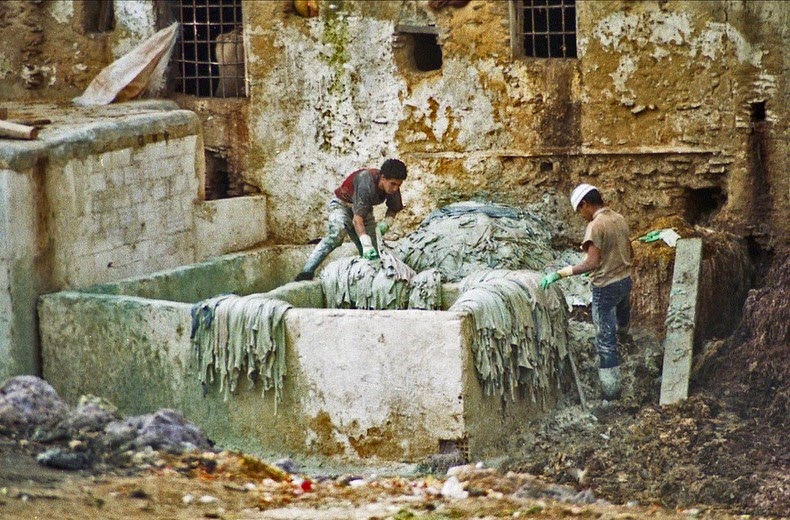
(722, 453)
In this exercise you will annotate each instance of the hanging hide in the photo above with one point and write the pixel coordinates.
(139, 72)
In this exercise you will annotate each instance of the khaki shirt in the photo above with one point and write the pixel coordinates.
(608, 231)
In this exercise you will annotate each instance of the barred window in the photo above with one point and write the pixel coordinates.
(209, 60)
(544, 28)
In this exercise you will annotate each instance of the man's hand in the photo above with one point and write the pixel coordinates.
(553, 277)
(384, 225)
(549, 279)
(368, 251)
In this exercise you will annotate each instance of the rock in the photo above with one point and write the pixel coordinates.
(27, 402)
(92, 415)
(287, 465)
(453, 489)
(62, 459)
(165, 430)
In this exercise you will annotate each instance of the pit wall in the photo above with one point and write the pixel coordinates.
(104, 194)
(395, 385)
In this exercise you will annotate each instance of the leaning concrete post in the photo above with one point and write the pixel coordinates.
(681, 321)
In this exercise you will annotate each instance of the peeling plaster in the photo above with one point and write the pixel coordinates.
(615, 31)
(462, 103)
(625, 69)
(713, 39)
(136, 20)
(669, 28)
(623, 32)
(341, 115)
(61, 10)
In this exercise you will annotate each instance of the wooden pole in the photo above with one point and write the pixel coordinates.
(14, 131)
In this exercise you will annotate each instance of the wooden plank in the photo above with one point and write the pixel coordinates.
(681, 321)
(15, 131)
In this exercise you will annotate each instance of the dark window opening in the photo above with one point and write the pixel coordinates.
(209, 60)
(427, 52)
(217, 176)
(546, 28)
(421, 44)
(702, 204)
(757, 111)
(98, 16)
(223, 180)
(546, 166)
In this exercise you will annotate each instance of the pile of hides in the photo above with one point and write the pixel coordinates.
(232, 333)
(756, 358)
(576, 289)
(465, 237)
(356, 283)
(521, 331)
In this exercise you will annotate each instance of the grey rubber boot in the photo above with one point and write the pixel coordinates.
(610, 383)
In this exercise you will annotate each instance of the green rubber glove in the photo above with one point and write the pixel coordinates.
(384, 225)
(548, 280)
(651, 237)
(368, 251)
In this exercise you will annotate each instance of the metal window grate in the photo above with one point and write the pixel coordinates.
(547, 27)
(210, 57)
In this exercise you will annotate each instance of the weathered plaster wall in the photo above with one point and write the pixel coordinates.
(103, 194)
(334, 403)
(48, 53)
(19, 272)
(688, 74)
(118, 213)
(664, 94)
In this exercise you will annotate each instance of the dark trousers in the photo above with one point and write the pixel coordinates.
(611, 310)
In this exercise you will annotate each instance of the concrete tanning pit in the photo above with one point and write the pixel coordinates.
(393, 384)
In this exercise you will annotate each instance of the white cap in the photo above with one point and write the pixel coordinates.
(579, 192)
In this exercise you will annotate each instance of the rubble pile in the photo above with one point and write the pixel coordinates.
(92, 434)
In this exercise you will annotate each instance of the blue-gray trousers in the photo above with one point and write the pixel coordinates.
(340, 222)
(611, 310)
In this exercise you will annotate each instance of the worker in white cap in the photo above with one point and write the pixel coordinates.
(608, 260)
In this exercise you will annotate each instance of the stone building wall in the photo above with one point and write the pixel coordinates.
(659, 109)
(123, 212)
(120, 213)
(673, 107)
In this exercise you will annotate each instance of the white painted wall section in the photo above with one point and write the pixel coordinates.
(371, 369)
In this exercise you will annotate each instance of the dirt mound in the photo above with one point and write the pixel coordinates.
(695, 453)
(753, 365)
(725, 276)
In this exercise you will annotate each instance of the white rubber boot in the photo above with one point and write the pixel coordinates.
(610, 383)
